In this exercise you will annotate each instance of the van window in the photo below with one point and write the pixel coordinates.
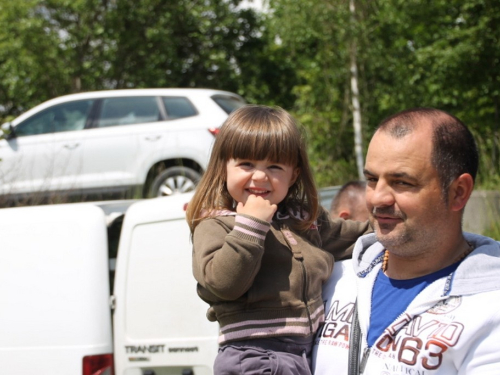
(128, 111)
(59, 118)
(114, 231)
(228, 103)
(178, 107)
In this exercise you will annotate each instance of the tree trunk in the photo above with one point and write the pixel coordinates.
(356, 110)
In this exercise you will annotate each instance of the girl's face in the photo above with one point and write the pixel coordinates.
(261, 178)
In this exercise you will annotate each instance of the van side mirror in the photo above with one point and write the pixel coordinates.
(7, 131)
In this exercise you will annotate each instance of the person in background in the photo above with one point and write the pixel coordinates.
(262, 245)
(349, 203)
(423, 293)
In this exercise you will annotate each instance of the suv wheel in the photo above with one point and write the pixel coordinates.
(174, 180)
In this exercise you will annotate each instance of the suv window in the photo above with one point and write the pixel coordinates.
(59, 118)
(228, 103)
(178, 107)
(129, 110)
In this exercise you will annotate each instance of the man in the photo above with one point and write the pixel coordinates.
(427, 293)
(350, 202)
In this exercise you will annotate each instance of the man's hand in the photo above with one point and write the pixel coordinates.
(257, 207)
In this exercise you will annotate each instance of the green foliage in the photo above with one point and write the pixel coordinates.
(415, 53)
(444, 54)
(31, 65)
(448, 57)
(53, 47)
(316, 34)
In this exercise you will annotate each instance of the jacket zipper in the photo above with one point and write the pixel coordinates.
(304, 275)
(362, 365)
(304, 295)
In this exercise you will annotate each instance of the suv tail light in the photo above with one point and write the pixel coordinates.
(214, 131)
(101, 364)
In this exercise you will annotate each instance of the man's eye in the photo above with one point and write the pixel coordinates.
(403, 183)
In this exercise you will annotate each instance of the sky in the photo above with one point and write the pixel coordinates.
(257, 4)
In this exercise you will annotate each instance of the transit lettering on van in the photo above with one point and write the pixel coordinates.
(145, 348)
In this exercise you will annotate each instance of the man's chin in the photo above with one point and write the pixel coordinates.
(383, 230)
(390, 238)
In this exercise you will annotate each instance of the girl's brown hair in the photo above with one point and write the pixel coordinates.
(256, 132)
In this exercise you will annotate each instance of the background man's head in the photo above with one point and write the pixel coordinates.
(349, 203)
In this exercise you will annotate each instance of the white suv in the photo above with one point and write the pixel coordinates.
(152, 142)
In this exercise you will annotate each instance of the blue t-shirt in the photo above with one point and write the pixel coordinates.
(390, 298)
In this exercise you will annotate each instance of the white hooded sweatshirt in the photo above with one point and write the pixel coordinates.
(451, 327)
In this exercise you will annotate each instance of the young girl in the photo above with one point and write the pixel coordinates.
(262, 247)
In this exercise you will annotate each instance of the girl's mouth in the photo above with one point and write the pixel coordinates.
(258, 191)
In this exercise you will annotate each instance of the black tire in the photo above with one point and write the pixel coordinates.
(174, 180)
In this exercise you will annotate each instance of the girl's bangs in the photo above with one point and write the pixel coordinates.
(265, 142)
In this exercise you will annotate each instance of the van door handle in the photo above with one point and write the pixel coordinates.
(153, 138)
(71, 146)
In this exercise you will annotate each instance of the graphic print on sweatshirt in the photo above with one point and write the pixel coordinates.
(408, 346)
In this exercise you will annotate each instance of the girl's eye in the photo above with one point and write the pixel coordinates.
(275, 167)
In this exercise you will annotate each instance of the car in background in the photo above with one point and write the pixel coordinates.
(124, 143)
(326, 195)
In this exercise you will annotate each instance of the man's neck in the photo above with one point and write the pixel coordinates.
(402, 267)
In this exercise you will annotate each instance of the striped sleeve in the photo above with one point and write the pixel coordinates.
(250, 228)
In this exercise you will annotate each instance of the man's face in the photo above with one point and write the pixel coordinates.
(403, 192)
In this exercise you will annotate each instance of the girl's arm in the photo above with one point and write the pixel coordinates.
(225, 260)
(338, 236)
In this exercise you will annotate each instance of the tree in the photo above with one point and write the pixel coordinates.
(55, 47)
(31, 64)
(325, 39)
(443, 54)
(356, 110)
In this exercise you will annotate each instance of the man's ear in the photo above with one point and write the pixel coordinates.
(460, 191)
(344, 214)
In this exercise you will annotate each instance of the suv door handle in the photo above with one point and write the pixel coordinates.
(153, 138)
(71, 146)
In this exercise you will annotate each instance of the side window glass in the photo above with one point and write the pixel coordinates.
(228, 103)
(178, 107)
(59, 118)
(129, 110)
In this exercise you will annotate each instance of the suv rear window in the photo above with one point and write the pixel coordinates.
(228, 103)
(178, 107)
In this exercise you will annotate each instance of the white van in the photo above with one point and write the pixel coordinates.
(87, 287)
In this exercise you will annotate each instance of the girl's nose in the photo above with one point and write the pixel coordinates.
(259, 175)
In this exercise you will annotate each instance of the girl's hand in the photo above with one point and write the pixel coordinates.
(257, 207)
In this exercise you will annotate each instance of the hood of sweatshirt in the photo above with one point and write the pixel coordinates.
(478, 272)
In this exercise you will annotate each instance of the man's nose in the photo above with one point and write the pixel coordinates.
(381, 195)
